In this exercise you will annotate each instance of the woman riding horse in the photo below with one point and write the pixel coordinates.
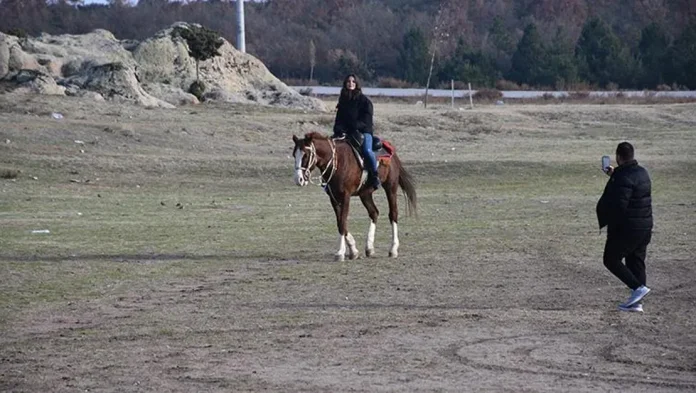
(353, 116)
(341, 177)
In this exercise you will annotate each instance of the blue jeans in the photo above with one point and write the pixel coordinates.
(368, 154)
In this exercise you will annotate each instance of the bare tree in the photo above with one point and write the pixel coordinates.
(312, 59)
(439, 35)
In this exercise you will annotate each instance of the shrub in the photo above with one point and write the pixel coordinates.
(197, 88)
(389, 82)
(579, 95)
(503, 84)
(9, 173)
(488, 94)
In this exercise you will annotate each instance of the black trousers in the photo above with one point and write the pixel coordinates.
(631, 246)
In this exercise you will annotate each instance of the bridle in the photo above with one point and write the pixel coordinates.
(312, 160)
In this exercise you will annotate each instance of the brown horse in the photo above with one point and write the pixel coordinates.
(343, 177)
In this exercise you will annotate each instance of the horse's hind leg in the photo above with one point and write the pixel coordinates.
(393, 219)
(373, 212)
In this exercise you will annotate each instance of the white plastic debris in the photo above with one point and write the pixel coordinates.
(40, 231)
(57, 115)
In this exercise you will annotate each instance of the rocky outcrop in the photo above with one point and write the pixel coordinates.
(155, 72)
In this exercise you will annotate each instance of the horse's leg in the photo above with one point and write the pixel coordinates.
(353, 252)
(393, 219)
(373, 212)
(341, 209)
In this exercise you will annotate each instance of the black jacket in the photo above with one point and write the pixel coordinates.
(626, 204)
(353, 115)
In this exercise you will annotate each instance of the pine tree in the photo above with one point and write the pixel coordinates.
(682, 58)
(561, 67)
(467, 65)
(203, 44)
(601, 57)
(652, 53)
(529, 62)
(413, 57)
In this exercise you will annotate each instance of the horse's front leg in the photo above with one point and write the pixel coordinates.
(353, 252)
(373, 212)
(341, 205)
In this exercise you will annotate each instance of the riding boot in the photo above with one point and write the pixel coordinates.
(374, 179)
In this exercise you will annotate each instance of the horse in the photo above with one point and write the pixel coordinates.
(342, 177)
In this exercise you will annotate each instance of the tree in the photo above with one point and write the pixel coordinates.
(529, 62)
(652, 54)
(203, 44)
(413, 56)
(501, 43)
(469, 65)
(601, 57)
(312, 59)
(561, 62)
(682, 58)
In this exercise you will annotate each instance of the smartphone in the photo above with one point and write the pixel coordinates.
(606, 162)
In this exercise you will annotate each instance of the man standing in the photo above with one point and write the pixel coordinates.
(626, 209)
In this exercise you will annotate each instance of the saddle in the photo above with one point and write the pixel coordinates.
(383, 149)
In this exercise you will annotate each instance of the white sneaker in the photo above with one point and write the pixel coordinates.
(637, 295)
(634, 308)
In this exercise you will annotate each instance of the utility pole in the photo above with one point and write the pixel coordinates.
(241, 44)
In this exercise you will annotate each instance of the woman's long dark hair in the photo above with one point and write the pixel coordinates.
(350, 94)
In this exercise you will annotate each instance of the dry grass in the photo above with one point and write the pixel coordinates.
(182, 258)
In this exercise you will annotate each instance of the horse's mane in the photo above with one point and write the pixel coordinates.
(315, 135)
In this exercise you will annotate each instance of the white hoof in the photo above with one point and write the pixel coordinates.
(370, 253)
(339, 258)
(393, 254)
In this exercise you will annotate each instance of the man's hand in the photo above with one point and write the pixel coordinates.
(609, 171)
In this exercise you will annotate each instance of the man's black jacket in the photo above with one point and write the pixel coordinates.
(353, 115)
(626, 205)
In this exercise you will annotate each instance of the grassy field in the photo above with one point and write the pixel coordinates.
(181, 256)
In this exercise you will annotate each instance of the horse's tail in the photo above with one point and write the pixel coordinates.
(408, 185)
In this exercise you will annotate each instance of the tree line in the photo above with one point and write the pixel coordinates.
(561, 44)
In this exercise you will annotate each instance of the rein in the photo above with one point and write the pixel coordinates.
(312, 160)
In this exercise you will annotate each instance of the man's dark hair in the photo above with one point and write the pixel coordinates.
(625, 151)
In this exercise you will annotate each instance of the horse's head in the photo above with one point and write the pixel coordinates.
(303, 153)
(315, 150)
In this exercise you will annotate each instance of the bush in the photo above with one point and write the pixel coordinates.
(395, 83)
(9, 173)
(299, 82)
(197, 88)
(488, 94)
(17, 32)
(503, 84)
(579, 95)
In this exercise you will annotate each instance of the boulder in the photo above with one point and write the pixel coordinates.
(116, 81)
(36, 82)
(171, 94)
(4, 55)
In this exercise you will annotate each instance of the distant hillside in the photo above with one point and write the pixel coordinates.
(598, 43)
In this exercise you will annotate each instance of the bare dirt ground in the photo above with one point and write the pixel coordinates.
(181, 257)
